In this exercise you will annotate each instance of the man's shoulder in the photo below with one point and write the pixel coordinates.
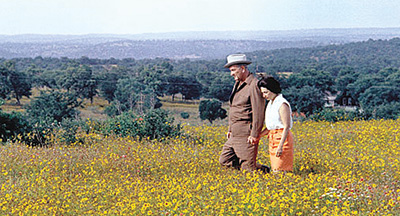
(252, 79)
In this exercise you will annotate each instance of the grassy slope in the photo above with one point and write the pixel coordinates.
(345, 168)
(95, 110)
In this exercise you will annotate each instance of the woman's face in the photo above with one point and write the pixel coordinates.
(267, 94)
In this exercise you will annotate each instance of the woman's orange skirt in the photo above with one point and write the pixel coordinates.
(285, 161)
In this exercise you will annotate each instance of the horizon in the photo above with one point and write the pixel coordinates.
(205, 31)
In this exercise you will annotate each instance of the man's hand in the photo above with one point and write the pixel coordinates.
(253, 140)
(228, 135)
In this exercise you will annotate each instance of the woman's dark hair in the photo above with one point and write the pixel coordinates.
(271, 84)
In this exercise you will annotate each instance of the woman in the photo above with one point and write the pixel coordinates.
(278, 122)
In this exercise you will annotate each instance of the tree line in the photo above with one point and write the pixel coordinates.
(367, 73)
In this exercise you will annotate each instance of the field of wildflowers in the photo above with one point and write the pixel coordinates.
(344, 168)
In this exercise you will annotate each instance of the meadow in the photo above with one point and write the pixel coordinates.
(343, 168)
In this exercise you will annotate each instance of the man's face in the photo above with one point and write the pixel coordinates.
(237, 72)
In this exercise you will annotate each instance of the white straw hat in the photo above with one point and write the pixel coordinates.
(236, 59)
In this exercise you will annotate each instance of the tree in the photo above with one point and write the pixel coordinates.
(49, 78)
(385, 111)
(393, 79)
(5, 83)
(379, 95)
(133, 95)
(211, 110)
(221, 87)
(174, 85)
(363, 83)
(147, 100)
(388, 71)
(205, 78)
(34, 72)
(155, 77)
(305, 100)
(86, 85)
(80, 80)
(50, 111)
(18, 84)
(21, 86)
(67, 78)
(52, 106)
(191, 88)
(346, 76)
(308, 89)
(108, 84)
(126, 94)
(320, 80)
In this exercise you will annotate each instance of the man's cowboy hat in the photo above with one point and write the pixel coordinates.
(235, 59)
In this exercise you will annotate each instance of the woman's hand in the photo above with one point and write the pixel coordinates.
(252, 140)
(284, 113)
(279, 151)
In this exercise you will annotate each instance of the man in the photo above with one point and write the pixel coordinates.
(246, 118)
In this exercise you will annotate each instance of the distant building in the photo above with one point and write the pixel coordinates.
(342, 99)
(330, 100)
(346, 100)
(281, 74)
(285, 74)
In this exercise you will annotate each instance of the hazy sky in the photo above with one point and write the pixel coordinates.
(152, 16)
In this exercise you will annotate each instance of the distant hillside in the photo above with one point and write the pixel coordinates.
(193, 49)
(319, 35)
(178, 45)
(367, 57)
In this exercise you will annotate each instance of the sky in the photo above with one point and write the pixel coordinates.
(77, 17)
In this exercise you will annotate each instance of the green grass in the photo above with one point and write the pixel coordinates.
(95, 110)
(191, 107)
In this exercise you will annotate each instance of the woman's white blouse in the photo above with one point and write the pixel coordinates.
(272, 117)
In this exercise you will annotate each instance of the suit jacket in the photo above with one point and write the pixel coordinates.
(246, 111)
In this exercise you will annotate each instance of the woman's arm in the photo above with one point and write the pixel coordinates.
(263, 133)
(284, 113)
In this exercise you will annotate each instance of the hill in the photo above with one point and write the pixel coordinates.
(367, 56)
(178, 45)
(345, 168)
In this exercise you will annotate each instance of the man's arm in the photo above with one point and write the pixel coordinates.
(258, 108)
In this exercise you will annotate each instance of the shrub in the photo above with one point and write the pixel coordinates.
(111, 110)
(46, 116)
(185, 115)
(335, 115)
(384, 111)
(211, 110)
(12, 125)
(67, 131)
(126, 124)
(53, 106)
(155, 124)
(158, 124)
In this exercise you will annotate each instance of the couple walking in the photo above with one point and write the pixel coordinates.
(247, 113)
